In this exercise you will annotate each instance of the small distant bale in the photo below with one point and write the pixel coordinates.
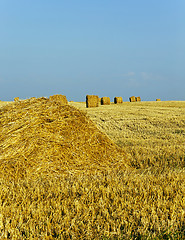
(59, 98)
(105, 101)
(92, 101)
(132, 99)
(32, 98)
(138, 99)
(158, 99)
(118, 100)
(16, 99)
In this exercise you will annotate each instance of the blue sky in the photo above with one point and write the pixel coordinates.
(102, 47)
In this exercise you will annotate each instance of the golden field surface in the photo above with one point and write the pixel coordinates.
(151, 133)
(137, 193)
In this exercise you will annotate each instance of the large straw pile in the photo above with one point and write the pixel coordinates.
(43, 136)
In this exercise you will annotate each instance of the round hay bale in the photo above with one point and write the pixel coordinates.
(59, 98)
(92, 101)
(138, 99)
(132, 99)
(105, 101)
(158, 99)
(118, 100)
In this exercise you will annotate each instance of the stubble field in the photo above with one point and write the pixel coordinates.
(144, 198)
(151, 133)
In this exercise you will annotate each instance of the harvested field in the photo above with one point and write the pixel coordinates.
(3, 103)
(62, 178)
(148, 130)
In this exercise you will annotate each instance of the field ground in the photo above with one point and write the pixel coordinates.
(145, 201)
(149, 132)
(3, 103)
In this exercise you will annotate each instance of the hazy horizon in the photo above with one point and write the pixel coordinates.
(107, 48)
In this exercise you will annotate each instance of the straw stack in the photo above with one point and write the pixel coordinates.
(132, 99)
(92, 101)
(59, 98)
(16, 99)
(105, 101)
(118, 100)
(43, 136)
(138, 99)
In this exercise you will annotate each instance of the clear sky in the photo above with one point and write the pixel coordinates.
(102, 47)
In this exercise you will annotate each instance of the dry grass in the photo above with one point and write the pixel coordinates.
(3, 103)
(153, 133)
(144, 196)
(88, 206)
